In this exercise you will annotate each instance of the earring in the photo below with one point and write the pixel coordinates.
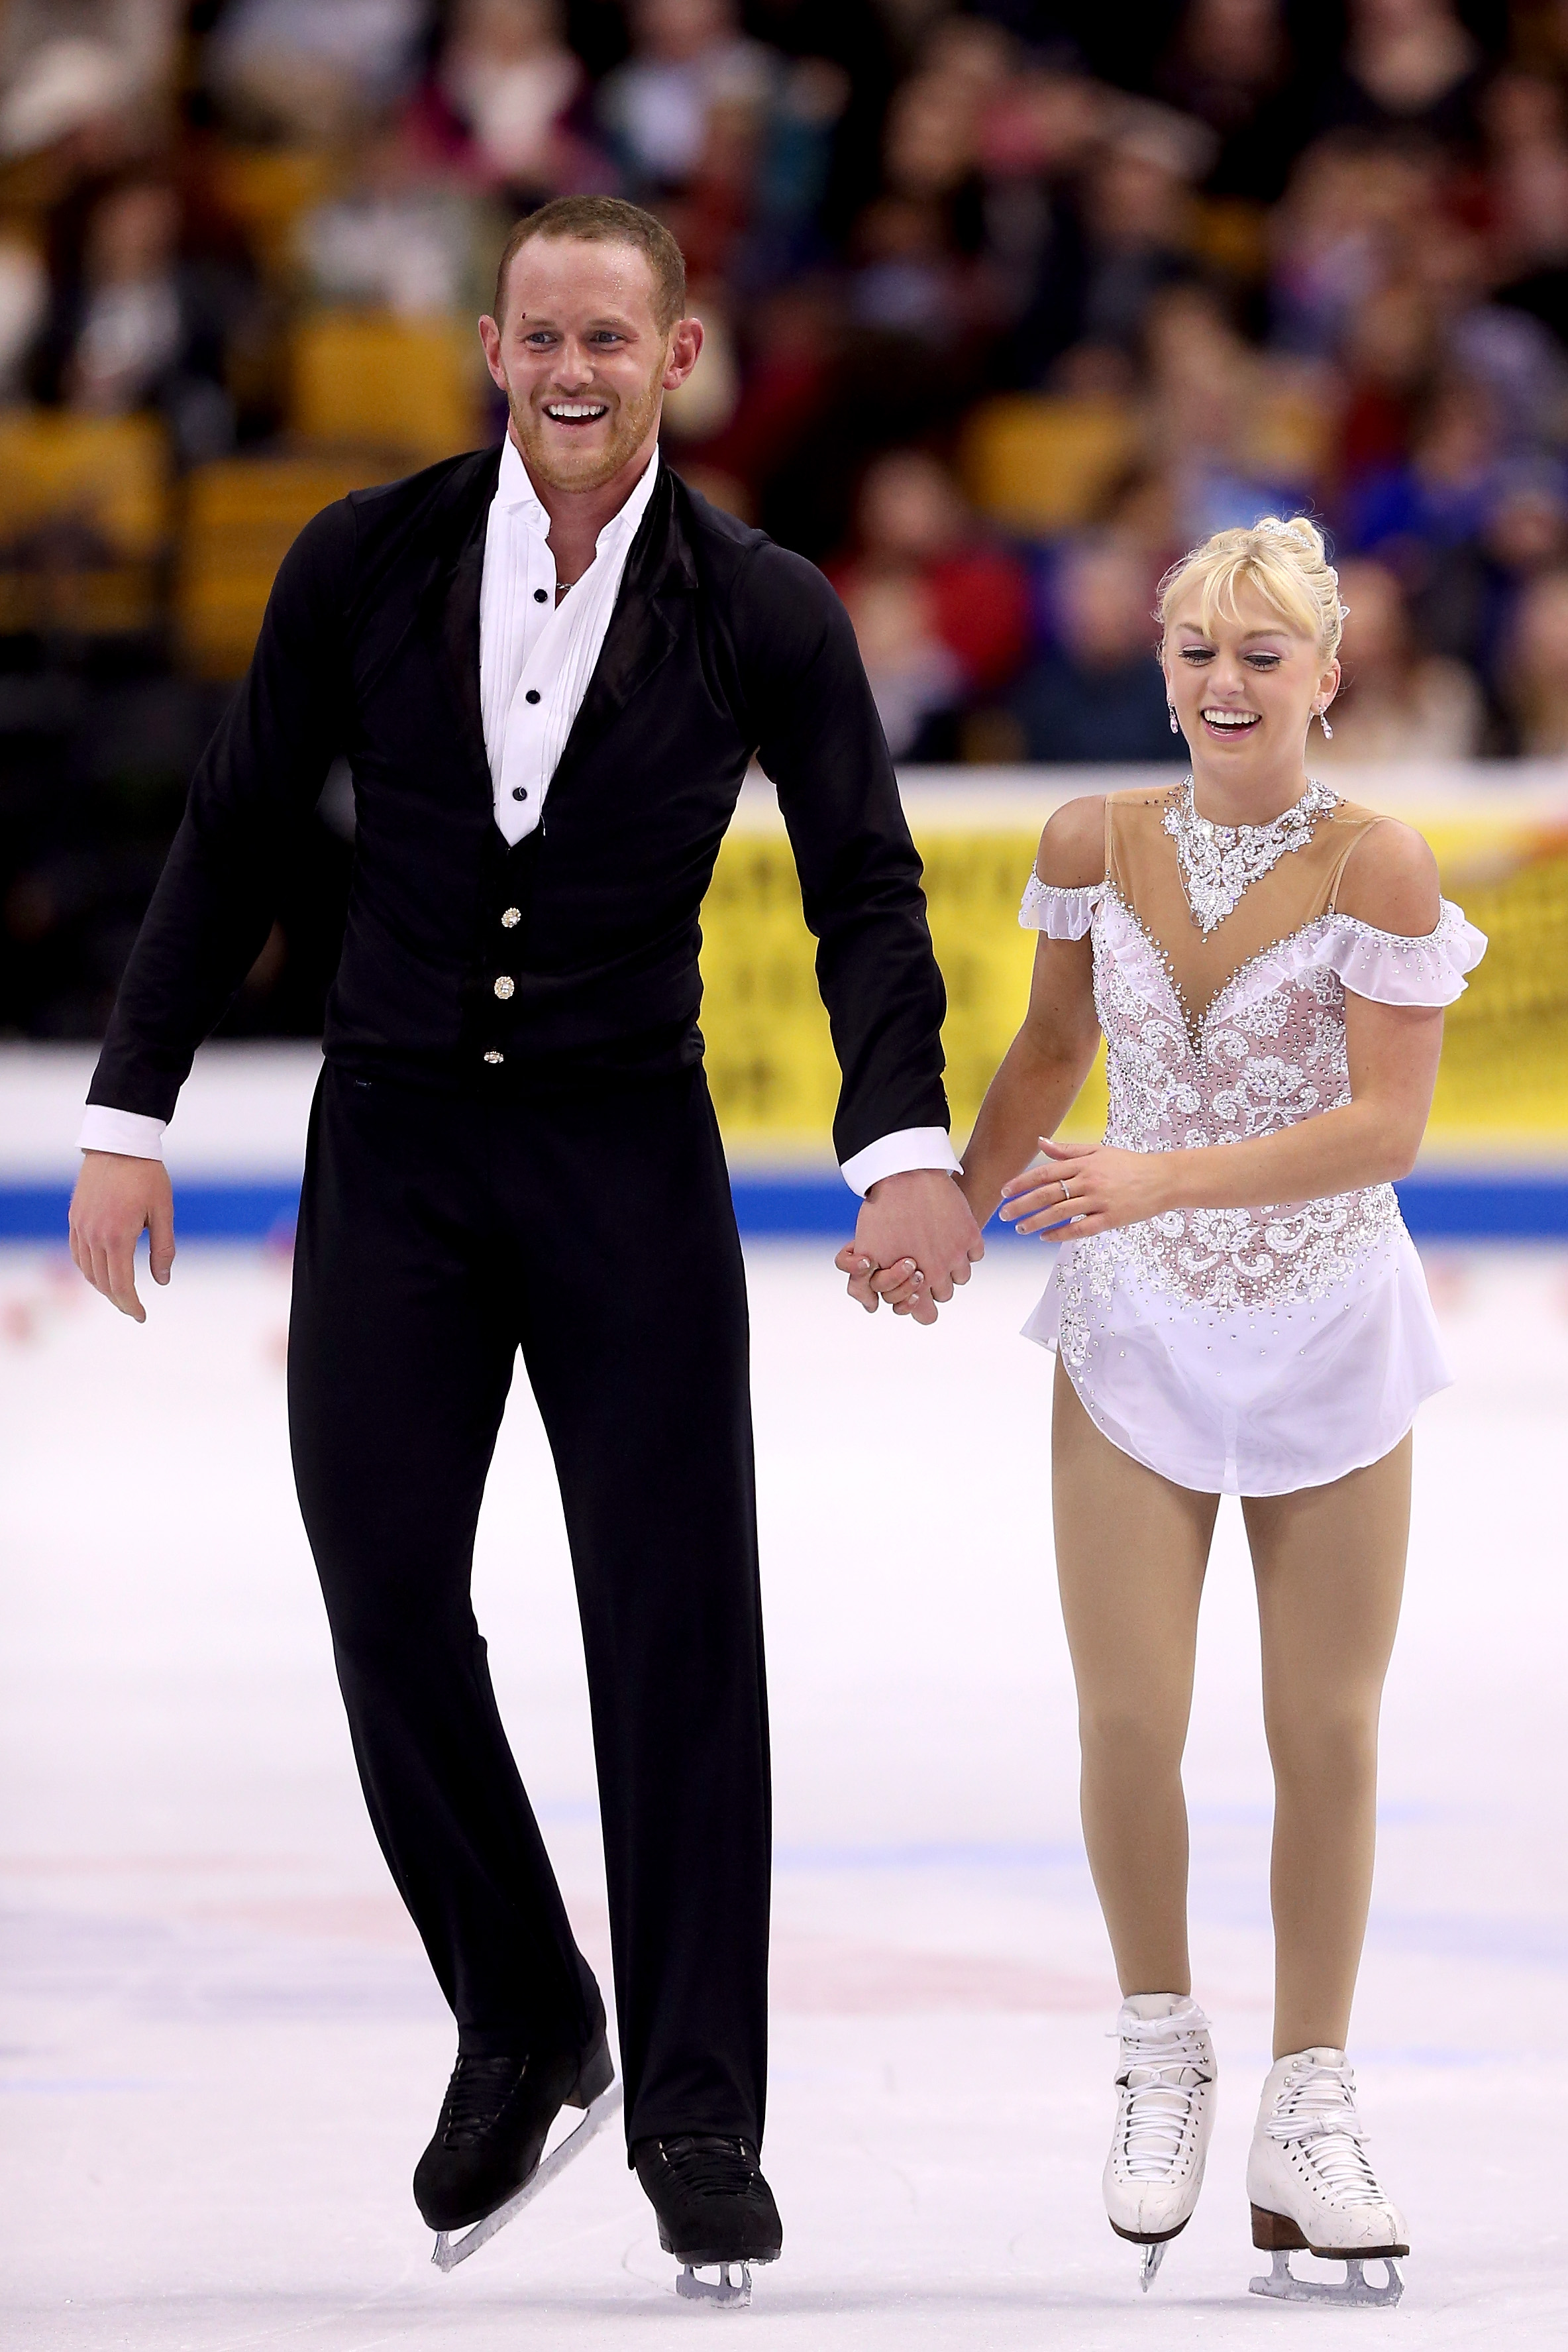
(1323, 723)
(1175, 723)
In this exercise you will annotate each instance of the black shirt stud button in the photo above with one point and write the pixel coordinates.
(493, 1057)
(504, 987)
(519, 792)
(532, 695)
(511, 918)
(541, 597)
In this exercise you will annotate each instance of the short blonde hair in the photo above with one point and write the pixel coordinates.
(1285, 561)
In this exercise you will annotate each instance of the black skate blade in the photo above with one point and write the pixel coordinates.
(449, 2250)
(1283, 2286)
(726, 2293)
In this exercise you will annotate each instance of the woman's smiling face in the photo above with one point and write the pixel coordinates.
(1245, 689)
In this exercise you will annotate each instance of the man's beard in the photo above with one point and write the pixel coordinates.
(631, 422)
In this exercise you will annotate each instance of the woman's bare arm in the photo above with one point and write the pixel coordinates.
(1392, 1050)
(1049, 1058)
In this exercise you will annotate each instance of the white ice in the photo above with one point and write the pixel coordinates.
(221, 2049)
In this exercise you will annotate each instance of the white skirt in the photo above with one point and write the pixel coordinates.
(1265, 1400)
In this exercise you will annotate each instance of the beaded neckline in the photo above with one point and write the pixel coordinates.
(1218, 862)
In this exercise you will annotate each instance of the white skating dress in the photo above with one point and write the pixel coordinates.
(1246, 1351)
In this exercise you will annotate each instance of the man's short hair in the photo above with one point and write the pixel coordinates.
(605, 220)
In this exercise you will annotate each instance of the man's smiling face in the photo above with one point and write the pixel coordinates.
(582, 359)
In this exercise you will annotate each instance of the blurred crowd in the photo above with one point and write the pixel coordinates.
(1005, 306)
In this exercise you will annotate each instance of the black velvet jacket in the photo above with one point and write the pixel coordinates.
(721, 645)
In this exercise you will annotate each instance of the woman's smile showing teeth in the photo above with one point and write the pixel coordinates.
(1231, 723)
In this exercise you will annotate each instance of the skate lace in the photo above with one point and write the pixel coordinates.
(1315, 2111)
(708, 2166)
(476, 2095)
(1164, 2068)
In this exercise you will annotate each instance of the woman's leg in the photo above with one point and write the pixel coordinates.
(1131, 1550)
(1330, 1566)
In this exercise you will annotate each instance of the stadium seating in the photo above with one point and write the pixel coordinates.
(410, 386)
(241, 515)
(1041, 464)
(84, 522)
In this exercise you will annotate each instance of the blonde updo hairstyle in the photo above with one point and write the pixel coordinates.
(1283, 561)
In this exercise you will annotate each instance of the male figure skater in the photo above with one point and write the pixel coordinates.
(548, 665)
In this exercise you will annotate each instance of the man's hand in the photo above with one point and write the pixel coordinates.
(915, 1237)
(115, 1199)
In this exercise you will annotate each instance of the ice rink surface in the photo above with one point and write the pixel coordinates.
(221, 2049)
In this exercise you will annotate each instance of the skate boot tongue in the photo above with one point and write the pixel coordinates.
(1164, 2059)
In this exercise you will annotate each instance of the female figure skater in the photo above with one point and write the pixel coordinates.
(1269, 965)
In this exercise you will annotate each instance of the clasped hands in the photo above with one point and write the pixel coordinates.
(916, 1237)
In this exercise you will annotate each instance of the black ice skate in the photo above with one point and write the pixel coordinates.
(715, 2211)
(483, 2164)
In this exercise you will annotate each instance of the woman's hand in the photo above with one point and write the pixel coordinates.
(1087, 1188)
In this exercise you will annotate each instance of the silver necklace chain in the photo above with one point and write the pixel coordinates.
(1218, 861)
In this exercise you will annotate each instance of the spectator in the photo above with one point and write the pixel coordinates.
(1408, 66)
(501, 100)
(1394, 703)
(687, 57)
(941, 616)
(1098, 695)
(1209, 400)
(145, 329)
(1413, 514)
(1536, 672)
(397, 239)
(315, 69)
(1230, 66)
(1390, 354)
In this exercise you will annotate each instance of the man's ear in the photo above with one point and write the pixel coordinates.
(490, 338)
(685, 344)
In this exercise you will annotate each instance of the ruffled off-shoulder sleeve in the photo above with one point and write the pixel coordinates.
(1394, 969)
(1059, 914)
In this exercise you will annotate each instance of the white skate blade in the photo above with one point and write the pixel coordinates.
(449, 2250)
(731, 2291)
(1284, 2286)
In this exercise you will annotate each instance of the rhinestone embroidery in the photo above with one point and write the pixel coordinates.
(1218, 861)
(1263, 1055)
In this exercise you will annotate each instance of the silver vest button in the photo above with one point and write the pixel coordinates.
(504, 987)
(493, 1057)
(511, 919)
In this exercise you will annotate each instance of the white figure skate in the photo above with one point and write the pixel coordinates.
(451, 2250)
(1314, 2189)
(1164, 2112)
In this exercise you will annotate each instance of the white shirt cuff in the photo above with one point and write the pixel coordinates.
(895, 1155)
(127, 1131)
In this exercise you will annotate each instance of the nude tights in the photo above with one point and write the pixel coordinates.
(1328, 1564)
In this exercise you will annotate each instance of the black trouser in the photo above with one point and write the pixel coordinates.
(596, 1231)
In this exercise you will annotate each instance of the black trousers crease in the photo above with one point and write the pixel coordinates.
(438, 1235)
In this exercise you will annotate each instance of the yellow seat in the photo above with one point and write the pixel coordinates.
(268, 189)
(411, 385)
(240, 517)
(84, 521)
(1041, 464)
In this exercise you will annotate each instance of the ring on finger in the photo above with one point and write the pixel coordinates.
(1066, 1188)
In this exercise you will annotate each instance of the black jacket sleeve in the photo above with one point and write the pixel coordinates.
(821, 743)
(257, 784)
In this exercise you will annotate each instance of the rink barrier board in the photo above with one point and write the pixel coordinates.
(1490, 1205)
